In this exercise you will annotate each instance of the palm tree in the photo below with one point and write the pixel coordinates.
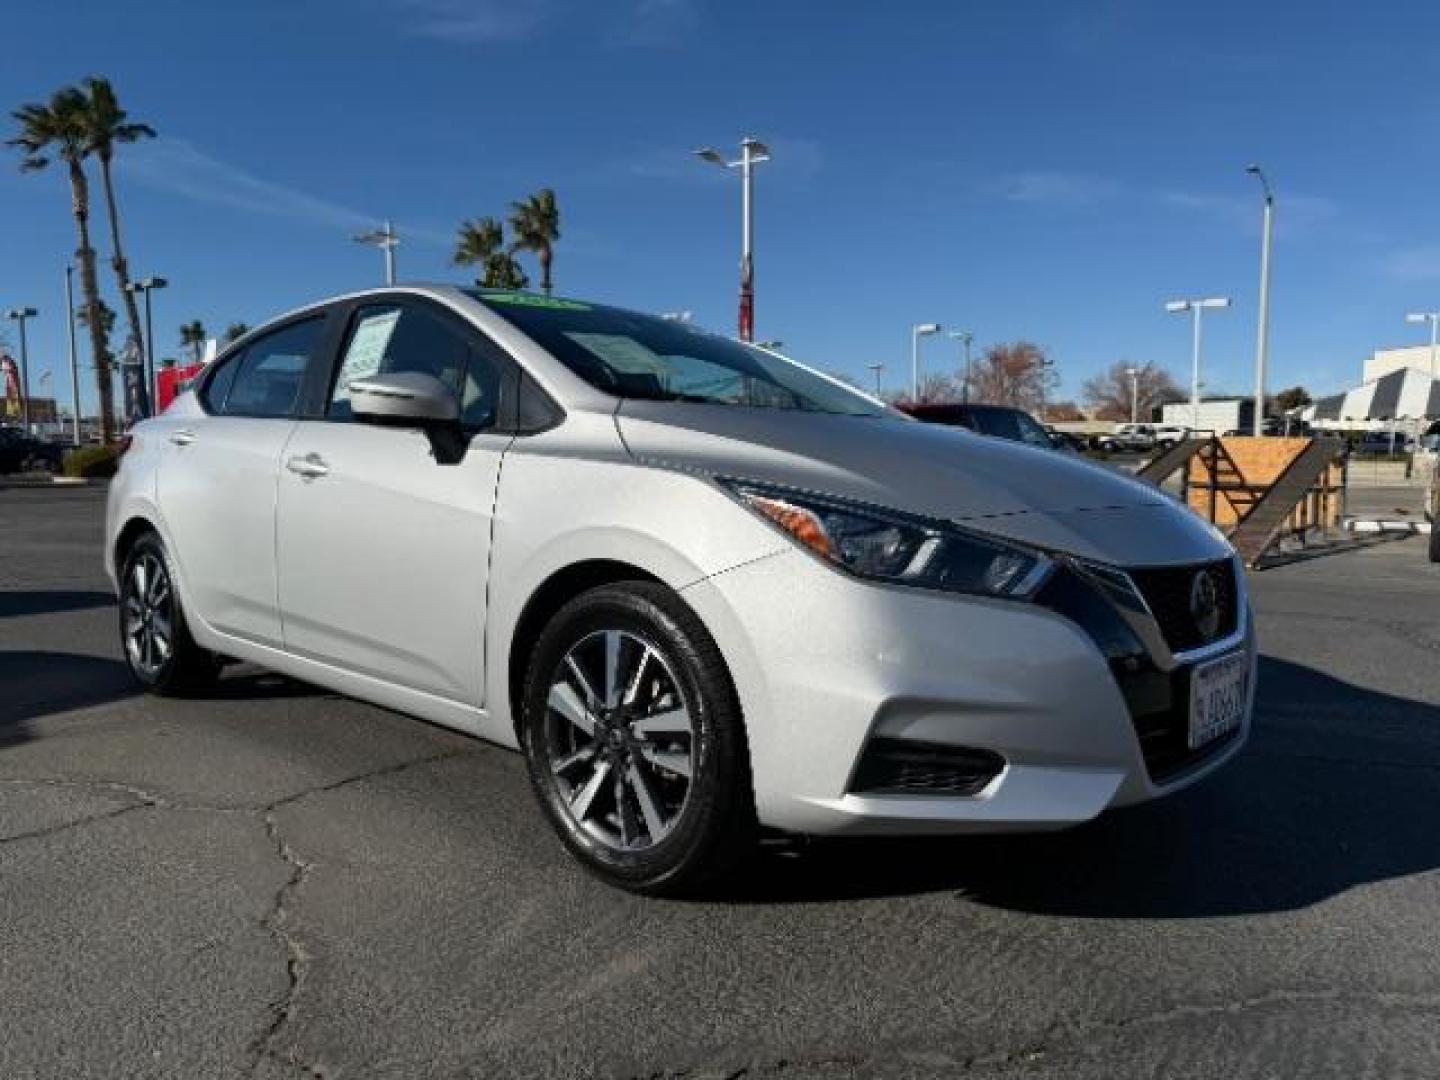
(235, 331)
(108, 127)
(60, 127)
(192, 336)
(481, 243)
(535, 223)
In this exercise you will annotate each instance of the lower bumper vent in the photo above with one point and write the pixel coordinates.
(906, 767)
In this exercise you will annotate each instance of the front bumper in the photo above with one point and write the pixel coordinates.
(823, 663)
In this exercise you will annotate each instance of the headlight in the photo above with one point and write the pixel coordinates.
(898, 548)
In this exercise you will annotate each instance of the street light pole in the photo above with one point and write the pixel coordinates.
(1196, 309)
(145, 288)
(918, 331)
(1433, 318)
(752, 153)
(965, 337)
(74, 365)
(387, 240)
(1134, 374)
(875, 370)
(20, 314)
(1262, 332)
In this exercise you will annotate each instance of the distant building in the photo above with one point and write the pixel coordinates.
(1384, 361)
(42, 410)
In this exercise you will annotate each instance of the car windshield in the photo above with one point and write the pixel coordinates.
(654, 359)
(1012, 424)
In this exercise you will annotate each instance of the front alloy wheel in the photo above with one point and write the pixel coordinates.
(635, 742)
(619, 740)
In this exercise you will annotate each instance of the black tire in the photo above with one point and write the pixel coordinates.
(713, 827)
(168, 662)
(1435, 541)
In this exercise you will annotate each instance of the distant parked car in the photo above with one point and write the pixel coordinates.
(1380, 443)
(20, 453)
(1067, 440)
(1168, 435)
(1136, 438)
(997, 421)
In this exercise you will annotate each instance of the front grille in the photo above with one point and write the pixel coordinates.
(1167, 591)
(1158, 703)
(892, 766)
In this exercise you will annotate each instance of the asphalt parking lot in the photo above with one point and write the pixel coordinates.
(278, 882)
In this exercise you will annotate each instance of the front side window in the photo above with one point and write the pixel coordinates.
(387, 339)
(632, 355)
(270, 373)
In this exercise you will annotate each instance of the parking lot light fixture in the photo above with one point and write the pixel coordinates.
(1433, 318)
(387, 241)
(1134, 374)
(875, 370)
(145, 287)
(752, 153)
(1195, 308)
(21, 314)
(918, 331)
(965, 337)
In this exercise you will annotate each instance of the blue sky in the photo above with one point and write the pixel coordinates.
(1048, 170)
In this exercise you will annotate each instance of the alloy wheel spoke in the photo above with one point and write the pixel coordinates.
(592, 699)
(675, 761)
(579, 757)
(632, 690)
(649, 809)
(612, 668)
(567, 703)
(629, 826)
(584, 799)
(670, 722)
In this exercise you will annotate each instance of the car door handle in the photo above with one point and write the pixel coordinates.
(182, 437)
(308, 467)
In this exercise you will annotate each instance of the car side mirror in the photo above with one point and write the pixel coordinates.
(412, 399)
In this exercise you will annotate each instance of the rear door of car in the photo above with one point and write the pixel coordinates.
(217, 477)
(383, 551)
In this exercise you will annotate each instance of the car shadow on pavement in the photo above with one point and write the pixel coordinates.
(35, 684)
(1336, 789)
(15, 603)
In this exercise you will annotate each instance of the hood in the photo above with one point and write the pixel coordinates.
(1038, 496)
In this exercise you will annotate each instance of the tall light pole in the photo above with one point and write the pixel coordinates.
(1262, 330)
(1196, 309)
(20, 314)
(1433, 318)
(1134, 374)
(752, 153)
(70, 337)
(875, 370)
(918, 331)
(145, 288)
(387, 240)
(965, 337)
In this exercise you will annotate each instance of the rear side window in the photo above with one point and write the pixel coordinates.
(218, 388)
(271, 371)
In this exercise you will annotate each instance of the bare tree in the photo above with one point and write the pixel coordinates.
(1062, 412)
(1018, 374)
(1109, 394)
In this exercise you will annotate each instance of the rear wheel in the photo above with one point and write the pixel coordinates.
(1435, 541)
(156, 639)
(635, 741)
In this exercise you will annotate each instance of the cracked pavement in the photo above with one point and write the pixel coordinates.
(275, 882)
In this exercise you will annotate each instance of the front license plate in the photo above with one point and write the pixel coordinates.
(1218, 691)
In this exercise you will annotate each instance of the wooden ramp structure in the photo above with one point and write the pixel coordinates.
(1258, 490)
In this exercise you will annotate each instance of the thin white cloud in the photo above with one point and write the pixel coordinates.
(470, 21)
(1298, 213)
(621, 22)
(179, 167)
(1043, 188)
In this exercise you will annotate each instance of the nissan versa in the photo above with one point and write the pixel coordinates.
(705, 589)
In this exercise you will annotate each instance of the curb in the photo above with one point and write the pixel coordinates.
(56, 482)
(1386, 525)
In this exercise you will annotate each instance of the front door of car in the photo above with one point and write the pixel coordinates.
(383, 552)
(217, 480)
